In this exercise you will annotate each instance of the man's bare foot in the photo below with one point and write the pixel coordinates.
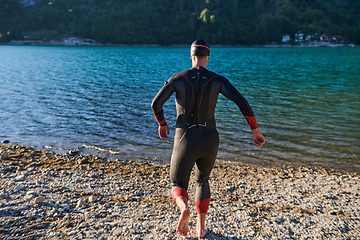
(183, 225)
(201, 232)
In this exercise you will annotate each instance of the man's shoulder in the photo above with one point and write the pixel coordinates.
(215, 75)
(184, 73)
(208, 72)
(189, 73)
(181, 75)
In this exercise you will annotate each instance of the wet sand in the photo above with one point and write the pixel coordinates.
(45, 195)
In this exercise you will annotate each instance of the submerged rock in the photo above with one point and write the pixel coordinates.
(83, 161)
(73, 152)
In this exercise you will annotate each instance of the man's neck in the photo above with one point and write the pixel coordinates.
(197, 62)
(197, 66)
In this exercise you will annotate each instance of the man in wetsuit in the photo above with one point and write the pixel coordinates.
(196, 139)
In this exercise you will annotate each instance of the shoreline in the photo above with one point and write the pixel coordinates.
(111, 155)
(62, 44)
(69, 196)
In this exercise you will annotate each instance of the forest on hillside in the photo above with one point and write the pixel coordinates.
(244, 22)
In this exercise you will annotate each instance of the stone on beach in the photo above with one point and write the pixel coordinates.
(92, 199)
(31, 192)
(128, 200)
(83, 161)
(19, 188)
(19, 178)
(4, 196)
(81, 203)
(39, 200)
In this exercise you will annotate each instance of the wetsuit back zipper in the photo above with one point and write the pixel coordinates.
(197, 98)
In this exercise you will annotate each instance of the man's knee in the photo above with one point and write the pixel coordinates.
(178, 183)
(202, 182)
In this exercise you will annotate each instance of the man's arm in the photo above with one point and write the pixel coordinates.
(161, 97)
(229, 91)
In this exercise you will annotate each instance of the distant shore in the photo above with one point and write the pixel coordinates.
(71, 196)
(326, 45)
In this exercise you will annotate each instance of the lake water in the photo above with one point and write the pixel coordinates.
(306, 101)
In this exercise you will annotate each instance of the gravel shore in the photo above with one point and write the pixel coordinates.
(45, 195)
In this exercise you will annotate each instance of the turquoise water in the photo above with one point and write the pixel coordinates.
(306, 101)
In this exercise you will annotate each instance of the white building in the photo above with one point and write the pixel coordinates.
(308, 38)
(285, 38)
(78, 41)
(299, 36)
(73, 41)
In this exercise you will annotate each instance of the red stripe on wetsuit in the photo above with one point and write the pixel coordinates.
(161, 122)
(202, 92)
(192, 87)
(252, 122)
(160, 118)
(179, 192)
(202, 206)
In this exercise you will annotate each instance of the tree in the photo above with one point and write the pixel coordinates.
(180, 21)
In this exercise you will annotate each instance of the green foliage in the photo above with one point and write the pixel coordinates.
(205, 15)
(180, 21)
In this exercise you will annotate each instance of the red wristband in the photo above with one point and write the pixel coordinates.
(252, 122)
(161, 122)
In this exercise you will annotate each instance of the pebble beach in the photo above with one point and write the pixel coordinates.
(45, 195)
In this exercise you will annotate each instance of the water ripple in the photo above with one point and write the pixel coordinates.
(306, 101)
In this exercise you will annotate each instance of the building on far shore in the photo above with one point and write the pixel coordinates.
(29, 40)
(308, 38)
(285, 38)
(73, 41)
(299, 36)
(78, 41)
(324, 38)
(315, 40)
(337, 39)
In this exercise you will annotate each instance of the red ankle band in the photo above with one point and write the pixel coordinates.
(202, 206)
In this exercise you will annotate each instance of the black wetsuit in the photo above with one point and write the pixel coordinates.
(196, 138)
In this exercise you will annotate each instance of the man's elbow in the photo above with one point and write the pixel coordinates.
(154, 106)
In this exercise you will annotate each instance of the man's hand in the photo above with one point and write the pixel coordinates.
(164, 131)
(257, 137)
